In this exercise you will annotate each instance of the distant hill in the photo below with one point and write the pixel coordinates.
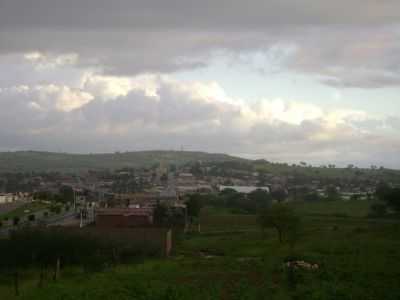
(25, 161)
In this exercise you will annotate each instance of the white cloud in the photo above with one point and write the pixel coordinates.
(49, 97)
(51, 61)
(108, 113)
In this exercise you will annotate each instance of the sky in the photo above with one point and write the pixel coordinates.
(288, 81)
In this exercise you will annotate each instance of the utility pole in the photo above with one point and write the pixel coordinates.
(74, 199)
(81, 222)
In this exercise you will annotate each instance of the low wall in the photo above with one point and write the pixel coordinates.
(149, 240)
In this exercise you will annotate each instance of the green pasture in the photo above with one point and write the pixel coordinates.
(25, 210)
(231, 258)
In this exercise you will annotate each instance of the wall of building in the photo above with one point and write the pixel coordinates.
(118, 221)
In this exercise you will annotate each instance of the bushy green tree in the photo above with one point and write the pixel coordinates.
(389, 195)
(281, 218)
(67, 194)
(160, 216)
(332, 193)
(194, 205)
(378, 210)
(16, 220)
(279, 194)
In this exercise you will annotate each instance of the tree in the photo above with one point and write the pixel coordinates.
(378, 210)
(388, 195)
(164, 178)
(312, 197)
(16, 221)
(160, 215)
(281, 218)
(392, 198)
(262, 179)
(67, 194)
(279, 194)
(193, 205)
(382, 190)
(332, 193)
(258, 199)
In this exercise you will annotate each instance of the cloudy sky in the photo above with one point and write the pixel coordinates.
(299, 80)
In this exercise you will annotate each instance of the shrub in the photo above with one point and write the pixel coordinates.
(16, 221)
(378, 210)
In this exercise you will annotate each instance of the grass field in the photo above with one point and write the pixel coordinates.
(333, 208)
(358, 258)
(25, 210)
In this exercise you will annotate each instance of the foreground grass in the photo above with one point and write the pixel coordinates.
(231, 259)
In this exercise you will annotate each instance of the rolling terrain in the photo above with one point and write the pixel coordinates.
(26, 161)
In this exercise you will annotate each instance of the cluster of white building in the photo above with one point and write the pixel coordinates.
(10, 197)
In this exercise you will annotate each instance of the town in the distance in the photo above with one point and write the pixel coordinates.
(136, 225)
(135, 196)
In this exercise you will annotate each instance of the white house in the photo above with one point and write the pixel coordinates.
(7, 198)
(243, 189)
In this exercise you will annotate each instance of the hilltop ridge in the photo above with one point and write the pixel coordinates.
(25, 161)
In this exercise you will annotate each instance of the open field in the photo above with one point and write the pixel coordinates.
(333, 208)
(25, 210)
(357, 258)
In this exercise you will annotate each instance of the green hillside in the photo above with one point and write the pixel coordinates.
(23, 161)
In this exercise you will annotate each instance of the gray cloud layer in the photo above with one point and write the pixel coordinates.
(347, 43)
(208, 14)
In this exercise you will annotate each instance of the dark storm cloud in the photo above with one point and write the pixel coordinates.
(209, 14)
(131, 37)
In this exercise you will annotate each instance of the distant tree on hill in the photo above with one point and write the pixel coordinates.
(196, 169)
(303, 164)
